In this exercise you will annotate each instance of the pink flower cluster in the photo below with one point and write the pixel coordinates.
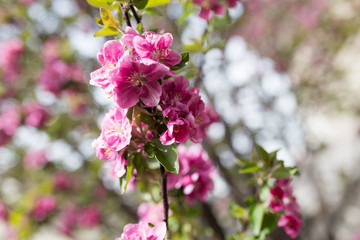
(10, 53)
(283, 200)
(9, 123)
(3, 211)
(136, 72)
(58, 75)
(115, 136)
(150, 213)
(43, 206)
(195, 176)
(10, 118)
(63, 181)
(143, 232)
(35, 160)
(72, 217)
(36, 115)
(209, 7)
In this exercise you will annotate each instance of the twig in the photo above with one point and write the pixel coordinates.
(125, 12)
(209, 216)
(164, 195)
(138, 19)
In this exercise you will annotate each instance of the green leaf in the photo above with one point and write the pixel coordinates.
(130, 114)
(99, 22)
(167, 156)
(184, 61)
(149, 148)
(268, 225)
(153, 11)
(256, 215)
(108, 4)
(249, 168)
(140, 163)
(264, 192)
(152, 3)
(140, 4)
(108, 19)
(236, 210)
(106, 32)
(124, 180)
(285, 172)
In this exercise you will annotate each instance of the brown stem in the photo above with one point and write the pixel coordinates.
(125, 12)
(138, 19)
(164, 195)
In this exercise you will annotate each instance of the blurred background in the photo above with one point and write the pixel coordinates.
(282, 73)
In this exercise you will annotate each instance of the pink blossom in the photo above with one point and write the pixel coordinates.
(9, 123)
(89, 216)
(291, 223)
(143, 232)
(118, 166)
(54, 76)
(127, 39)
(62, 181)
(208, 7)
(3, 211)
(10, 53)
(150, 213)
(156, 47)
(116, 129)
(43, 207)
(109, 56)
(68, 219)
(282, 198)
(136, 80)
(35, 160)
(36, 115)
(195, 175)
(177, 131)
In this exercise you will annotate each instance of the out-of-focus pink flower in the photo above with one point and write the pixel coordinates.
(150, 213)
(3, 211)
(282, 199)
(195, 175)
(10, 53)
(143, 232)
(209, 7)
(62, 181)
(88, 216)
(291, 223)
(35, 160)
(27, 2)
(43, 207)
(68, 219)
(35, 114)
(9, 123)
(54, 76)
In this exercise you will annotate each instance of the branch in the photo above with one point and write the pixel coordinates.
(209, 216)
(125, 12)
(164, 195)
(138, 19)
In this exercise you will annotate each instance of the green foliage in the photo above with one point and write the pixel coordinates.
(140, 4)
(108, 4)
(153, 3)
(184, 61)
(167, 156)
(111, 25)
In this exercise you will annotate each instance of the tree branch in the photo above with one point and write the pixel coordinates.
(164, 195)
(125, 12)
